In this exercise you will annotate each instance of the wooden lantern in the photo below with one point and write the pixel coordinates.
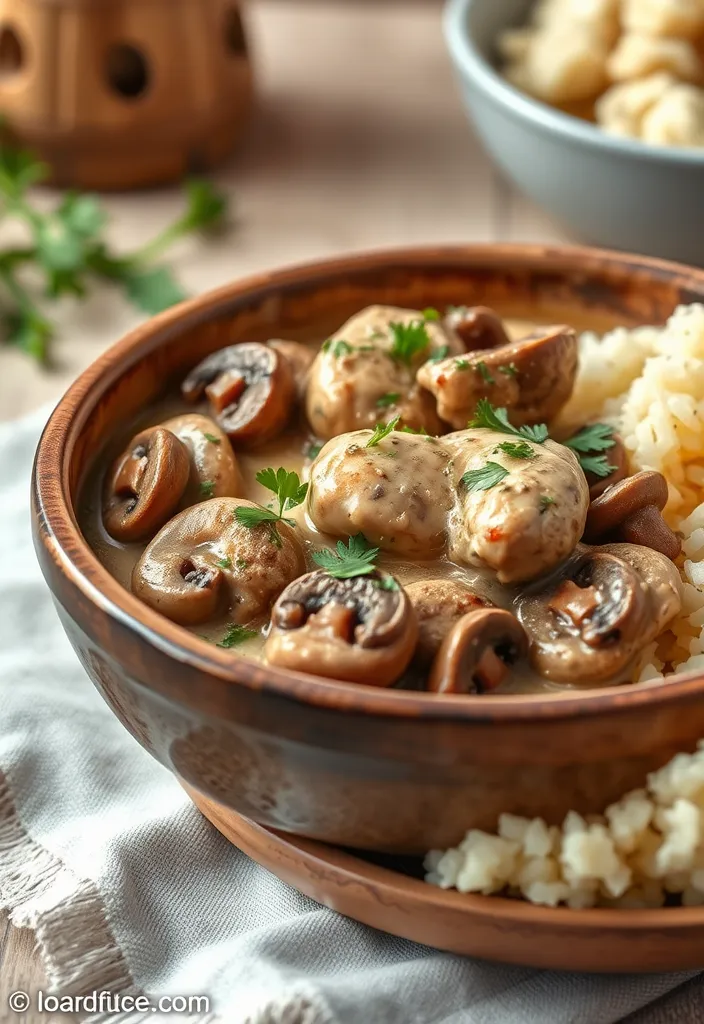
(117, 94)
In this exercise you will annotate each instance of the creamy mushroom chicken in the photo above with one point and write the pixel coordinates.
(393, 507)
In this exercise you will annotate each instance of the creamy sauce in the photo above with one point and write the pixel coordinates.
(290, 450)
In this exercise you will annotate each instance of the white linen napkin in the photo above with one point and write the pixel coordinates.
(130, 890)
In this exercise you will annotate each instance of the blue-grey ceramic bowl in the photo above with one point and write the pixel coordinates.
(616, 192)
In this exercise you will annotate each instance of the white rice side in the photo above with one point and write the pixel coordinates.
(649, 383)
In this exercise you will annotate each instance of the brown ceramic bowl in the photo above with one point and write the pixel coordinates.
(352, 765)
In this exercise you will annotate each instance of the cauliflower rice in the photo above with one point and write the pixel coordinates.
(648, 383)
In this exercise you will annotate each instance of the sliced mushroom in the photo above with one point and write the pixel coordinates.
(587, 627)
(439, 604)
(250, 387)
(361, 630)
(357, 381)
(478, 328)
(529, 520)
(214, 470)
(301, 359)
(532, 377)
(144, 485)
(631, 511)
(478, 653)
(204, 563)
(397, 493)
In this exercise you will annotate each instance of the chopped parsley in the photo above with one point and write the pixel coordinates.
(516, 449)
(461, 364)
(313, 451)
(497, 419)
(356, 558)
(211, 437)
(430, 313)
(412, 430)
(338, 348)
(207, 488)
(241, 563)
(409, 340)
(381, 431)
(510, 370)
(289, 492)
(485, 478)
(224, 563)
(439, 353)
(546, 501)
(236, 635)
(485, 373)
(594, 438)
(390, 398)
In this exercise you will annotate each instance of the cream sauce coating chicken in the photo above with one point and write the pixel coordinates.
(398, 493)
(366, 372)
(530, 519)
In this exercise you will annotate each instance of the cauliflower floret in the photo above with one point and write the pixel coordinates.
(677, 119)
(622, 108)
(679, 18)
(638, 55)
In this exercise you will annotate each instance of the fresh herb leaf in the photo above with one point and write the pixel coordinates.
(485, 373)
(409, 340)
(207, 488)
(211, 437)
(596, 437)
(510, 370)
(241, 563)
(251, 517)
(439, 353)
(497, 419)
(546, 501)
(313, 451)
(390, 398)
(236, 635)
(596, 464)
(152, 289)
(485, 478)
(516, 449)
(430, 313)
(224, 563)
(461, 364)
(381, 431)
(412, 430)
(356, 558)
(387, 583)
(286, 485)
(338, 348)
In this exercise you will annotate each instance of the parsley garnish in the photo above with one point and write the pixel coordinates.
(207, 488)
(412, 430)
(236, 635)
(439, 353)
(314, 451)
(289, 492)
(241, 563)
(224, 563)
(546, 501)
(485, 478)
(497, 419)
(381, 431)
(356, 558)
(510, 370)
(409, 340)
(516, 449)
(461, 364)
(430, 313)
(596, 437)
(211, 437)
(338, 348)
(485, 373)
(390, 398)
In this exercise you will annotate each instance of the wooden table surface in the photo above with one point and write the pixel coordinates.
(359, 141)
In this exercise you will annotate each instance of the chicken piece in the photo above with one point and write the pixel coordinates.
(520, 508)
(366, 373)
(398, 493)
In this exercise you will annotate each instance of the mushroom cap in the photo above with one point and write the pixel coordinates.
(212, 458)
(300, 358)
(532, 377)
(144, 485)
(439, 604)
(250, 387)
(478, 328)
(204, 562)
(478, 652)
(608, 511)
(361, 630)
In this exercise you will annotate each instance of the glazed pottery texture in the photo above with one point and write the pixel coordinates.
(353, 765)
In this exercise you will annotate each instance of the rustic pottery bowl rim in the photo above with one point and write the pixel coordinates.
(60, 534)
(471, 59)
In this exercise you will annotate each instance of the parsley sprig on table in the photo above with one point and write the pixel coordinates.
(289, 492)
(594, 438)
(67, 246)
(356, 558)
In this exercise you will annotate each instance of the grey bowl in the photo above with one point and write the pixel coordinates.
(615, 192)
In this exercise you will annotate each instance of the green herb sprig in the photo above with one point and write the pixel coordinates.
(497, 419)
(236, 635)
(516, 449)
(595, 437)
(289, 492)
(356, 558)
(390, 398)
(485, 478)
(68, 248)
(409, 340)
(381, 431)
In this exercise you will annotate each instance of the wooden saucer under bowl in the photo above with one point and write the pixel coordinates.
(387, 893)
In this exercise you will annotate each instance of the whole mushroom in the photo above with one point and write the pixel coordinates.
(533, 377)
(214, 470)
(360, 630)
(204, 563)
(250, 388)
(478, 328)
(439, 604)
(478, 653)
(631, 511)
(144, 485)
(300, 358)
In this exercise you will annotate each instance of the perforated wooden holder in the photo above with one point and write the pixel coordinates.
(117, 94)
